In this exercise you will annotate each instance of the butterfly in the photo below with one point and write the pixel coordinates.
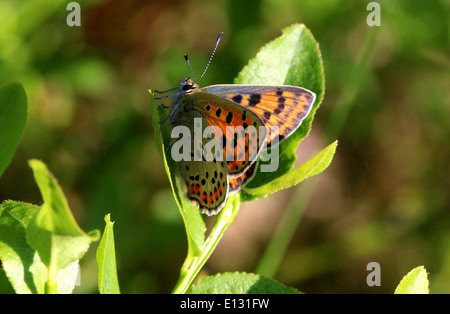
(211, 178)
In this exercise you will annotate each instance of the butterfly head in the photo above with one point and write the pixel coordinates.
(187, 85)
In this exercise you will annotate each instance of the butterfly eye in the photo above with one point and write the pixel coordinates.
(188, 87)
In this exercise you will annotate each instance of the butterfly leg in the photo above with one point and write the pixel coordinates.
(161, 122)
(167, 96)
(168, 146)
(165, 91)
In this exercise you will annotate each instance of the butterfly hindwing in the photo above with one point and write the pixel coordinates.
(282, 106)
(206, 183)
(205, 177)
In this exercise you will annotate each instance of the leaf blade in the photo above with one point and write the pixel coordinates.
(311, 167)
(53, 231)
(13, 118)
(240, 283)
(194, 224)
(415, 282)
(22, 266)
(108, 282)
(292, 59)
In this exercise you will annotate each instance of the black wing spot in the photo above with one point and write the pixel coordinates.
(237, 99)
(229, 117)
(267, 115)
(254, 100)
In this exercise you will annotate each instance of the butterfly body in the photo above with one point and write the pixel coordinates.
(210, 181)
(237, 120)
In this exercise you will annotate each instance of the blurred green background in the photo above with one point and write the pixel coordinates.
(384, 199)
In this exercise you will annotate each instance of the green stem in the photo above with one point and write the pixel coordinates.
(51, 285)
(194, 263)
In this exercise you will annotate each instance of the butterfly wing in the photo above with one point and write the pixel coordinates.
(206, 181)
(221, 106)
(282, 106)
(206, 184)
(241, 132)
(236, 182)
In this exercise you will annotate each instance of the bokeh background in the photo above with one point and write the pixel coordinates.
(384, 199)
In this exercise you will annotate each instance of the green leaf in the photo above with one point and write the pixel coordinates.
(313, 166)
(53, 231)
(13, 117)
(106, 260)
(22, 265)
(5, 285)
(291, 59)
(240, 283)
(194, 224)
(415, 282)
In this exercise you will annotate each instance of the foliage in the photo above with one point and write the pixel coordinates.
(384, 198)
(13, 116)
(40, 246)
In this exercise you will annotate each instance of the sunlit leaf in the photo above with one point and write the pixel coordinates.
(13, 117)
(240, 283)
(108, 282)
(415, 282)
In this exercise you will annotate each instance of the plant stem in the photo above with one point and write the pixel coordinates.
(51, 285)
(194, 263)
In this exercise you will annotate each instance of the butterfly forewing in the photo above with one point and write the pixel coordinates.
(282, 106)
(236, 182)
(241, 132)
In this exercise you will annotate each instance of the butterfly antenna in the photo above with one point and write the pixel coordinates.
(210, 59)
(212, 55)
(189, 64)
(209, 62)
